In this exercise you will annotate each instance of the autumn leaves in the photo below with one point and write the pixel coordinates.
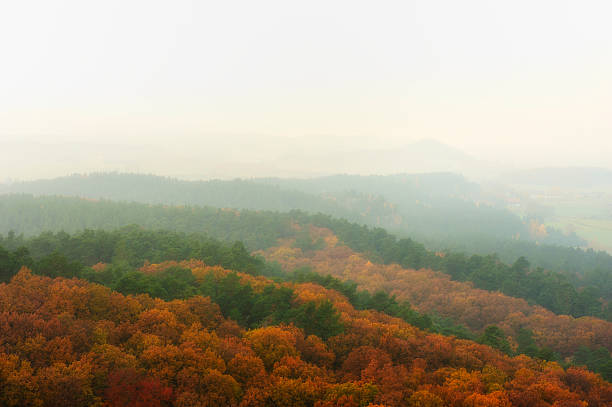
(73, 343)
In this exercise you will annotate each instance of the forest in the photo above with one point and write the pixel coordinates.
(443, 208)
(582, 287)
(305, 204)
(124, 303)
(189, 333)
(125, 251)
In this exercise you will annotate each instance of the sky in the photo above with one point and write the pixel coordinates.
(185, 87)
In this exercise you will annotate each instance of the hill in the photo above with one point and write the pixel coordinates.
(443, 207)
(422, 156)
(261, 229)
(193, 333)
(432, 293)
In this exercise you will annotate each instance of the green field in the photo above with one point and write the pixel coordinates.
(598, 232)
(588, 213)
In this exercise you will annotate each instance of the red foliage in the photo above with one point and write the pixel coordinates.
(71, 343)
(129, 388)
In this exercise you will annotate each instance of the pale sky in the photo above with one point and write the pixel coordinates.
(526, 82)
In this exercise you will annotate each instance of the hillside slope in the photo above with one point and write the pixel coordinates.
(431, 291)
(441, 206)
(73, 343)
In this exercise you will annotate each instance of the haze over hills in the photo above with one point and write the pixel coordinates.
(443, 209)
(243, 156)
(417, 204)
(232, 156)
(440, 203)
(423, 156)
(560, 177)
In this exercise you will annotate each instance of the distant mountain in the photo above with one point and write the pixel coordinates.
(561, 177)
(228, 157)
(424, 156)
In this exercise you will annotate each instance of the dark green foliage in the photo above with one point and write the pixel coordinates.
(598, 360)
(171, 284)
(133, 246)
(318, 319)
(273, 305)
(495, 337)
(582, 267)
(57, 265)
(527, 346)
(448, 327)
(11, 262)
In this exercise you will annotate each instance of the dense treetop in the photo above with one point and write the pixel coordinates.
(563, 293)
(63, 255)
(73, 343)
(443, 208)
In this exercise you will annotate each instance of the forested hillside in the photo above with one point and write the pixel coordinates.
(585, 271)
(444, 211)
(72, 343)
(516, 308)
(435, 292)
(236, 194)
(444, 207)
(194, 333)
(442, 306)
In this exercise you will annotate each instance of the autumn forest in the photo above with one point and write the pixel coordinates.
(110, 303)
(305, 203)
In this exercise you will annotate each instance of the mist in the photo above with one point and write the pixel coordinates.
(236, 90)
(246, 156)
